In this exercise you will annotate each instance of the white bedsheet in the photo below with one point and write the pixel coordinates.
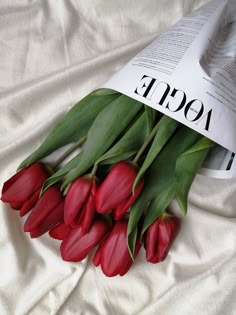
(52, 53)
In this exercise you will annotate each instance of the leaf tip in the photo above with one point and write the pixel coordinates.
(23, 164)
(135, 184)
(182, 202)
(130, 247)
(143, 232)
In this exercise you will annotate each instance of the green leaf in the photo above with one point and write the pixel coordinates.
(151, 116)
(166, 127)
(57, 176)
(120, 156)
(128, 145)
(72, 127)
(108, 125)
(161, 174)
(187, 166)
(131, 241)
(158, 205)
(103, 91)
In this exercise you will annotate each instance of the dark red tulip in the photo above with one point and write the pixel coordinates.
(46, 214)
(115, 193)
(160, 236)
(60, 231)
(22, 190)
(80, 202)
(77, 245)
(113, 254)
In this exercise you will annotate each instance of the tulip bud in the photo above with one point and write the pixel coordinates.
(80, 202)
(159, 237)
(77, 245)
(115, 193)
(60, 231)
(113, 254)
(22, 190)
(46, 214)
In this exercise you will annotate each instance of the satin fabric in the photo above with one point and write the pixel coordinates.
(52, 53)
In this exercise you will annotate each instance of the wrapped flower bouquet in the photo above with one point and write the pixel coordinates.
(113, 195)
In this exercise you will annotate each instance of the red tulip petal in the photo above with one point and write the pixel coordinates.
(60, 231)
(151, 242)
(87, 215)
(29, 204)
(54, 217)
(11, 180)
(75, 247)
(15, 205)
(49, 200)
(126, 267)
(160, 236)
(24, 183)
(97, 256)
(114, 253)
(89, 211)
(116, 187)
(76, 197)
(119, 211)
(168, 230)
(130, 261)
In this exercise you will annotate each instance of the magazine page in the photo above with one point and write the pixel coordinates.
(189, 74)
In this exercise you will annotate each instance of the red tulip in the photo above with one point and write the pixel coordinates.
(60, 231)
(113, 254)
(76, 246)
(160, 236)
(22, 190)
(46, 214)
(115, 193)
(80, 202)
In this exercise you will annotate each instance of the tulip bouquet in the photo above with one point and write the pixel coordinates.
(114, 194)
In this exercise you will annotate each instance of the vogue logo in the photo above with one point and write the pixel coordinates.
(174, 100)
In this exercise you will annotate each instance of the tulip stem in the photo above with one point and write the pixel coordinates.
(69, 151)
(146, 143)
